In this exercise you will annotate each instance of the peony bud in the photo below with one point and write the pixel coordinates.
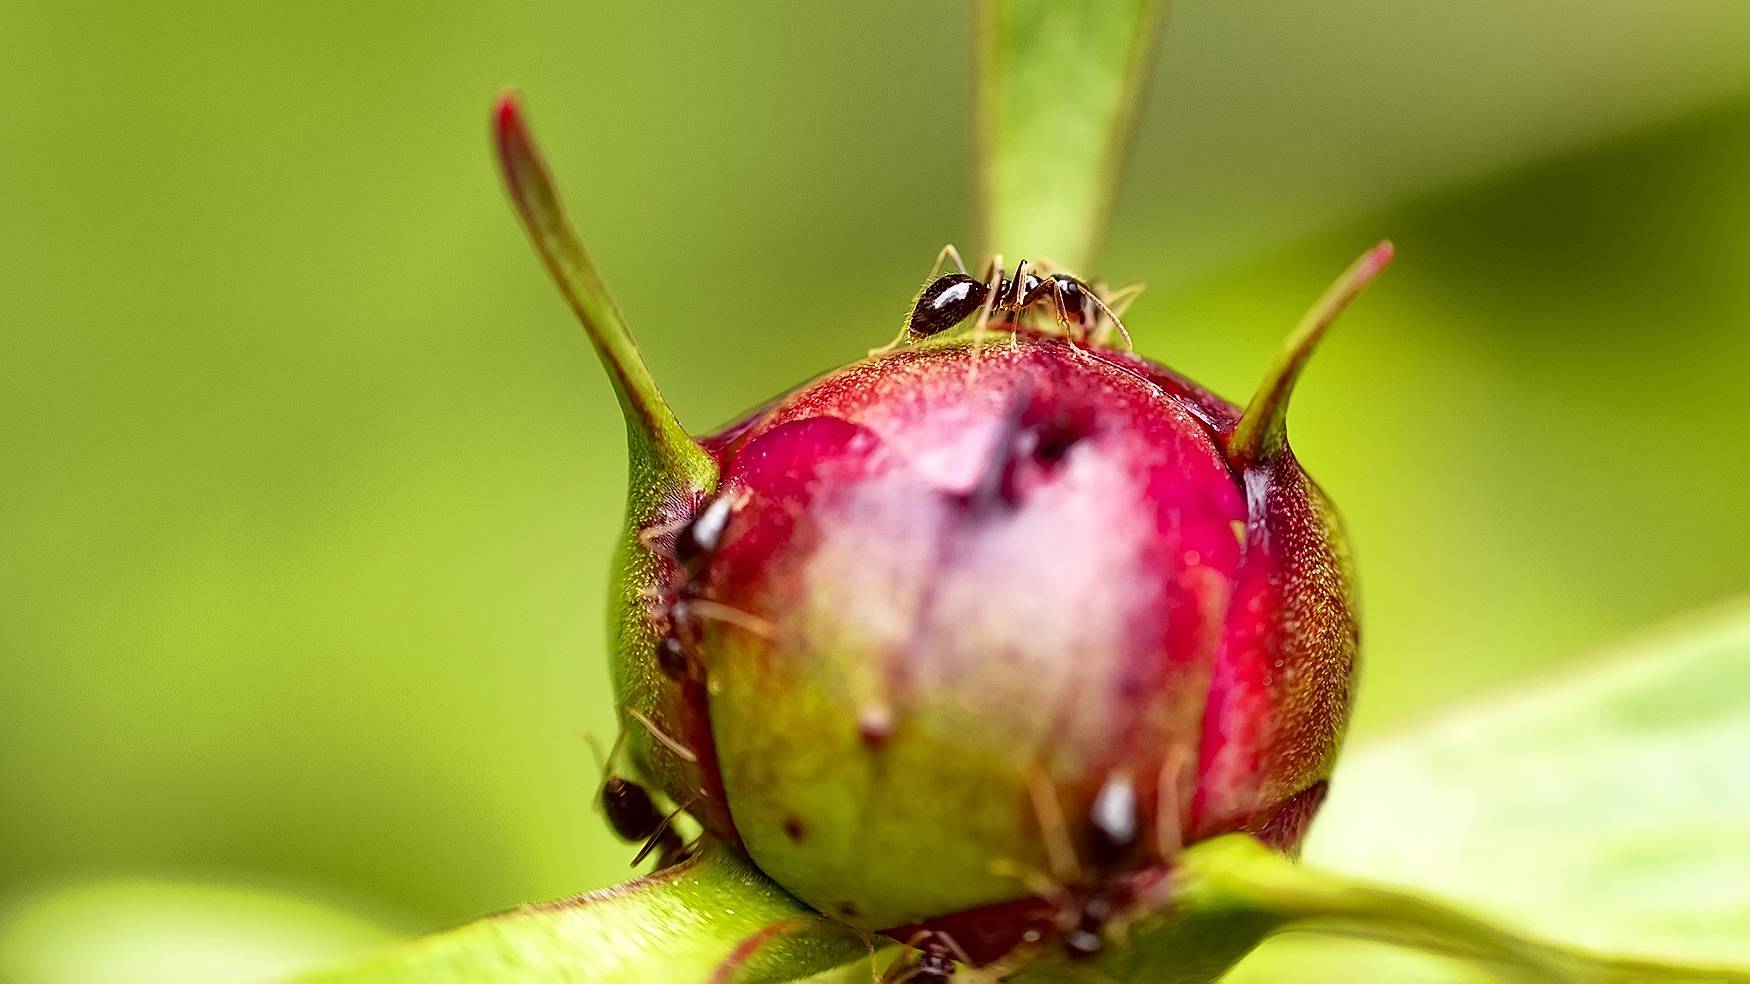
(970, 638)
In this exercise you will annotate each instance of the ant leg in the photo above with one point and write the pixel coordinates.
(1169, 806)
(956, 950)
(1114, 305)
(1121, 299)
(1017, 302)
(668, 741)
(905, 973)
(1005, 966)
(1063, 321)
(1035, 882)
(604, 762)
(939, 945)
(898, 340)
(662, 832)
(993, 287)
(1049, 266)
(717, 611)
(1060, 308)
(948, 252)
(1048, 813)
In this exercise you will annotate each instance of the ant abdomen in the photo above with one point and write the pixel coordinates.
(945, 303)
(630, 810)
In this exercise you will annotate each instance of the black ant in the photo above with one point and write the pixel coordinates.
(1092, 899)
(693, 541)
(948, 300)
(939, 960)
(938, 957)
(634, 816)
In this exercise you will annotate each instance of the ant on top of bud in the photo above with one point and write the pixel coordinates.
(1076, 306)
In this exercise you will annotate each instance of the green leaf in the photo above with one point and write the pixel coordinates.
(1227, 895)
(1058, 90)
(1607, 811)
(713, 920)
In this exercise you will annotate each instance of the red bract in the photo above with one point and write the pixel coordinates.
(977, 634)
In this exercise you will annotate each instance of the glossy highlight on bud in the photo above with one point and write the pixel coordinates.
(965, 642)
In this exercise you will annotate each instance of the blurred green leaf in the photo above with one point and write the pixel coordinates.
(1057, 97)
(712, 919)
(152, 931)
(1608, 811)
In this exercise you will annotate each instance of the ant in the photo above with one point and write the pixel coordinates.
(939, 960)
(632, 813)
(1092, 901)
(938, 956)
(948, 300)
(692, 543)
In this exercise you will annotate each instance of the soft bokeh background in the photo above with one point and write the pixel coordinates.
(308, 481)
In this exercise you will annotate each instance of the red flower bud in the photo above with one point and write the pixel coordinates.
(978, 633)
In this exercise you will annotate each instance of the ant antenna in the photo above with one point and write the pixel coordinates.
(1123, 332)
(1169, 806)
(603, 762)
(1048, 812)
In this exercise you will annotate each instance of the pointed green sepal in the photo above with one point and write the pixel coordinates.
(1058, 88)
(1263, 430)
(661, 451)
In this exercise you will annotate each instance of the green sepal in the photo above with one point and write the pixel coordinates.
(663, 457)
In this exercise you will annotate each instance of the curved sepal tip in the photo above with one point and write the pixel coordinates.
(660, 448)
(1262, 431)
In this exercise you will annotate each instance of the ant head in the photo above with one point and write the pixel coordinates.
(694, 542)
(945, 303)
(1078, 299)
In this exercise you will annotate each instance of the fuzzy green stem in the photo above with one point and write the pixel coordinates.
(1058, 89)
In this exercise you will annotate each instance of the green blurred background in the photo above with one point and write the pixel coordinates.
(309, 481)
